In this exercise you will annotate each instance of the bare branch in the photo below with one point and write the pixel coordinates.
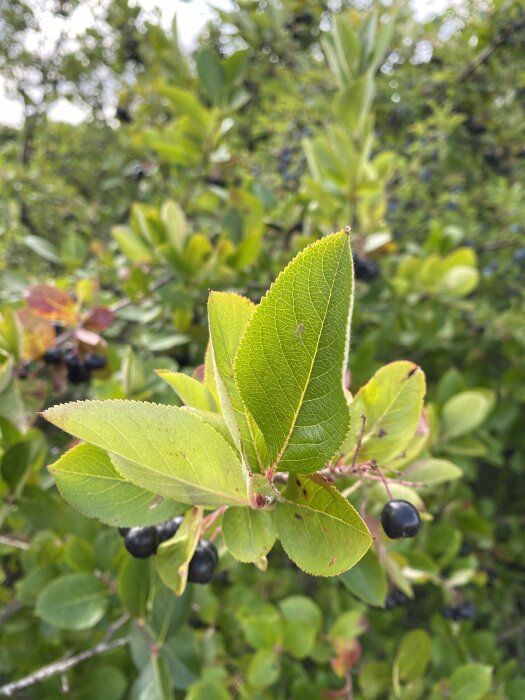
(14, 542)
(10, 609)
(61, 666)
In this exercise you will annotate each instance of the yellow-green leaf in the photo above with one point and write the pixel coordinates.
(189, 390)
(319, 530)
(228, 315)
(166, 449)
(290, 362)
(87, 479)
(248, 534)
(391, 402)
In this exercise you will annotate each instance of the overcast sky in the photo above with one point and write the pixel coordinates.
(191, 16)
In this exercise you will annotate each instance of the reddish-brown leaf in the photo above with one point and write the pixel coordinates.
(99, 318)
(348, 655)
(52, 303)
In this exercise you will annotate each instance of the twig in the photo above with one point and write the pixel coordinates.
(401, 482)
(382, 477)
(498, 245)
(359, 441)
(215, 534)
(116, 626)
(61, 666)
(487, 52)
(14, 542)
(362, 506)
(208, 521)
(154, 288)
(153, 647)
(513, 631)
(10, 609)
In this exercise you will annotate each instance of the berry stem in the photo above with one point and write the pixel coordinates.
(382, 477)
(208, 521)
(359, 441)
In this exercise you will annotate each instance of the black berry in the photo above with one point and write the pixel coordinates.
(467, 610)
(211, 548)
(123, 531)
(165, 531)
(365, 269)
(400, 519)
(141, 542)
(53, 356)
(396, 598)
(96, 362)
(451, 614)
(203, 563)
(77, 372)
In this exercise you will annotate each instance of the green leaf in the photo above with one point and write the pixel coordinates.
(189, 390)
(189, 104)
(413, 656)
(101, 682)
(79, 554)
(319, 530)
(248, 534)
(87, 479)
(374, 679)
(174, 220)
(228, 316)
(347, 45)
(465, 412)
(208, 690)
(20, 459)
(367, 580)
(73, 602)
(42, 247)
(173, 556)
(392, 402)
(133, 585)
(131, 244)
(164, 448)
(432, 471)
(217, 422)
(470, 682)
(290, 362)
(348, 625)
(459, 281)
(263, 629)
(211, 74)
(182, 654)
(154, 681)
(302, 621)
(353, 103)
(264, 669)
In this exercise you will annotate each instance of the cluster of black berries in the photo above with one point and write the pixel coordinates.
(78, 369)
(364, 268)
(400, 519)
(465, 611)
(142, 542)
(396, 598)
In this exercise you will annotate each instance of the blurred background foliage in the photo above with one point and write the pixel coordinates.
(211, 169)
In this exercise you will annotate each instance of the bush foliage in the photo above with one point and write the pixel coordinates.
(311, 164)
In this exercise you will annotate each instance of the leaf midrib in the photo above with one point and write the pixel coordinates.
(197, 487)
(318, 513)
(307, 382)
